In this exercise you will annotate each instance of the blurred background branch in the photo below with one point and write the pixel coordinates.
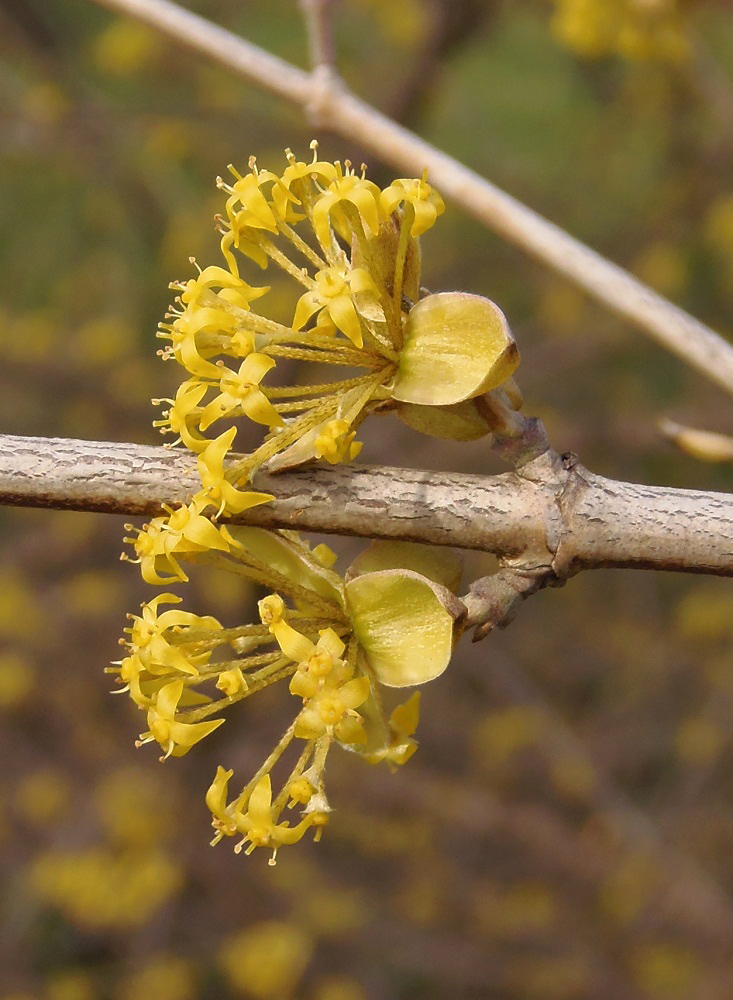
(343, 113)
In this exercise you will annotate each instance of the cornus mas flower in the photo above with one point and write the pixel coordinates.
(337, 641)
(353, 251)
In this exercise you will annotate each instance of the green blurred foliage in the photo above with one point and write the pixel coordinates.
(565, 830)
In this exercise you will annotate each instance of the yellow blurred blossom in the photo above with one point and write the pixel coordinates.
(635, 29)
(17, 679)
(667, 970)
(162, 977)
(339, 988)
(76, 985)
(699, 741)
(43, 797)
(506, 732)
(19, 613)
(630, 888)
(705, 613)
(45, 103)
(125, 47)
(134, 807)
(267, 960)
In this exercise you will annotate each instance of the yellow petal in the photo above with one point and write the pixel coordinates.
(258, 407)
(343, 312)
(306, 306)
(283, 833)
(309, 725)
(254, 368)
(211, 460)
(425, 216)
(456, 346)
(239, 500)
(191, 699)
(331, 643)
(201, 531)
(219, 407)
(187, 734)
(350, 730)
(354, 693)
(404, 623)
(260, 802)
(167, 701)
(321, 225)
(295, 646)
(364, 196)
(406, 717)
(216, 796)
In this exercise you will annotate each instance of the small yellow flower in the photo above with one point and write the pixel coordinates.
(150, 644)
(231, 289)
(216, 802)
(195, 336)
(216, 489)
(184, 409)
(319, 664)
(240, 392)
(300, 791)
(255, 211)
(259, 824)
(333, 294)
(175, 737)
(183, 530)
(336, 443)
(402, 725)
(133, 675)
(291, 190)
(332, 711)
(425, 201)
(271, 609)
(232, 682)
(346, 189)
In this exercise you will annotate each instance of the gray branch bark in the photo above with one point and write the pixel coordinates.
(563, 520)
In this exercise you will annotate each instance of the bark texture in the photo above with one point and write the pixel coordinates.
(556, 516)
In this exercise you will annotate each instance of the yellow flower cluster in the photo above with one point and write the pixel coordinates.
(634, 29)
(354, 251)
(182, 669)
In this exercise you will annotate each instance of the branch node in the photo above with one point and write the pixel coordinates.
(326, 85)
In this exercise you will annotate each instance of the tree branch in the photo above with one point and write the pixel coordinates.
(316, 14)
(553, 519)
(708, 446)
(346, 115)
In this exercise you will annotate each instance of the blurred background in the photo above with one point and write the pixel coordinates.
(566, 829)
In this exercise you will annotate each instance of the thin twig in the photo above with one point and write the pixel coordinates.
(324, 77)
(348, 116)
(316, 14)
(708, 446)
